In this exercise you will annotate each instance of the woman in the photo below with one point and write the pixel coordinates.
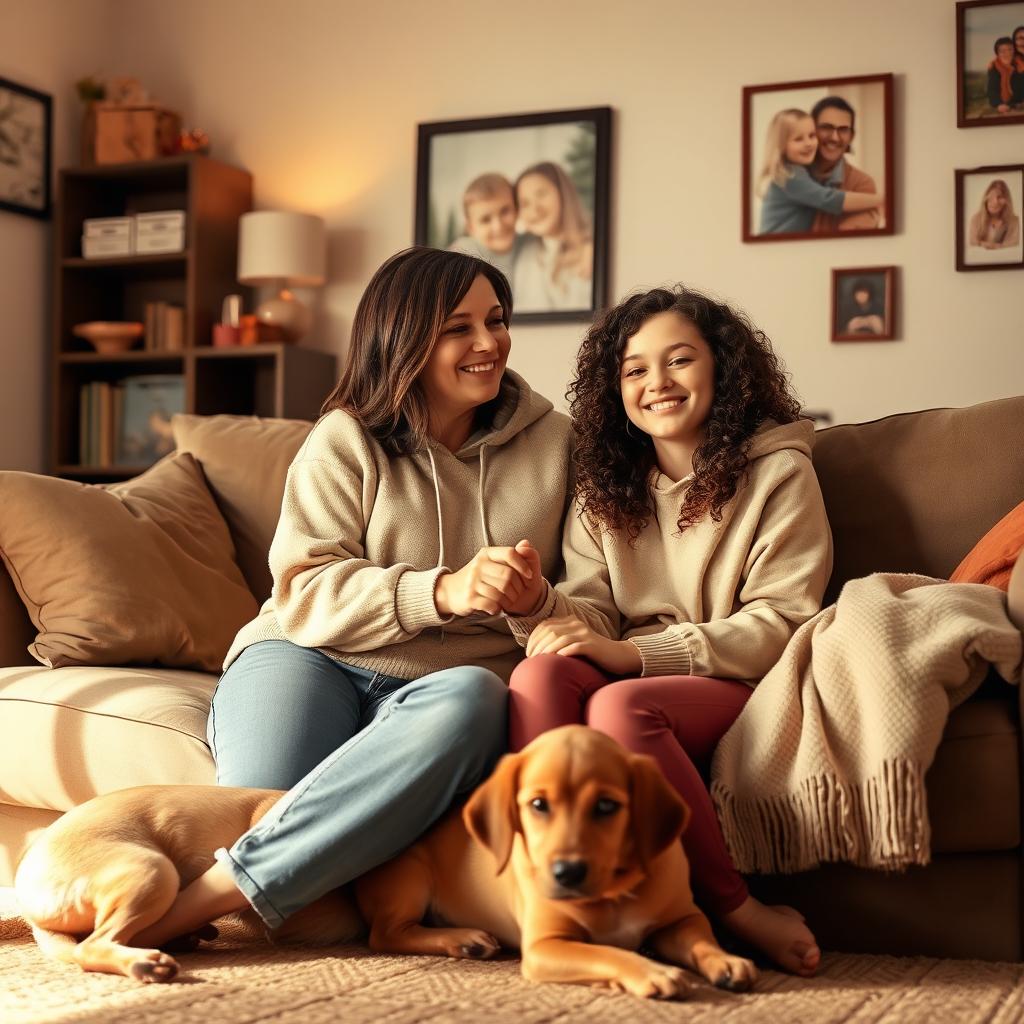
(698, 545)
(372, 685)
(995, 225)
(555, 266)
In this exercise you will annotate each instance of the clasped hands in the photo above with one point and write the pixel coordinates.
(494, 580)
(572, 637)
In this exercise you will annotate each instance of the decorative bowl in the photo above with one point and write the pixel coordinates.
(109, 336)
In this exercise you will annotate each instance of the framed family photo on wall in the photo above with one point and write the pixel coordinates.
(25, 118)
(864, 304)
(817, 159)
(529, 194)
(989, 63)
(988, 212)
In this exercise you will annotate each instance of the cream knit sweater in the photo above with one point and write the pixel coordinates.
(720, 599)
(363, 537)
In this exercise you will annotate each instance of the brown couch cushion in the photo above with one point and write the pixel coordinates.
(912, 493)
(245, 460)
(73, 733)
(139, 573)
(16, 629)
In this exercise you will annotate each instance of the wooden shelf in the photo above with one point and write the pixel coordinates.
(271, 380)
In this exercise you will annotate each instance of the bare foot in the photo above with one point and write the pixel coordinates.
(778, 932)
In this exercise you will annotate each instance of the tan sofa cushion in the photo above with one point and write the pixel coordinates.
(245, 460)
(914, 492)
(140, 573)
(70, 734)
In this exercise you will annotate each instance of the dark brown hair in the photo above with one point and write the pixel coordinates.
(397, 322)
(613, 466)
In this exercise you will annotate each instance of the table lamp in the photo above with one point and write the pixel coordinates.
(282, 248)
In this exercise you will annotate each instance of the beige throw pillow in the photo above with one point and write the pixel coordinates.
(245, 460)
(138, 573)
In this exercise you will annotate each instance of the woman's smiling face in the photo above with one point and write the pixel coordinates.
(995, 202)
(540, 205)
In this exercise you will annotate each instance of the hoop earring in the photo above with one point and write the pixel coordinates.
(630, 434)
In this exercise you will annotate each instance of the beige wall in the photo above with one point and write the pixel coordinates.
(46, 45)
(320, 99)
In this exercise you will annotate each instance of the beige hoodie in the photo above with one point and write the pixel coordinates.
(363, 537)
(720, 599)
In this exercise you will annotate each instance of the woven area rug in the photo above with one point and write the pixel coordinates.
(228, 982)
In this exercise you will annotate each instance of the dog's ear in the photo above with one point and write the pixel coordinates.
(659, 814)
(491, 814)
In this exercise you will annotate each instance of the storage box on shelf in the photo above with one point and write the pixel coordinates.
(192, 203)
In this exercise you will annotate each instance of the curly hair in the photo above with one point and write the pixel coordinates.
(613, 465)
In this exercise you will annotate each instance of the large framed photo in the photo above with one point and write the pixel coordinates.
(988, 212)
(864, 304)
(25, 119)
(989, 63)
(529, 194)
(817, 159)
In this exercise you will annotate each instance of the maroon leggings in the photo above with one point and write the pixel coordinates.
(678, 720)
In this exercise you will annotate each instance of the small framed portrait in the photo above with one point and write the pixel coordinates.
(817, 159)
(864, 304)
(989, 63)
(25, 120)
(988, 211)
(529, 194)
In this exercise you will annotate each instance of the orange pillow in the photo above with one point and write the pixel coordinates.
(992, 558)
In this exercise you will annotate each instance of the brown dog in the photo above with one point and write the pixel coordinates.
(590, 834)
(111, 867)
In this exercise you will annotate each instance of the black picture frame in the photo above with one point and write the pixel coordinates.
(979, 23)
(451, 155)
(760, 104)
(1004, 256)
(26, 131)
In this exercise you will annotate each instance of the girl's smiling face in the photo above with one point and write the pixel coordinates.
(802, 144)
(540, 205)
(667, 380)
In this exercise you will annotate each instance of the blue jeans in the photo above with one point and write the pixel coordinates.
(369, 762)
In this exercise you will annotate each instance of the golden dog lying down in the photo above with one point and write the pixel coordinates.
(577, 862)
(112, 866)
(584, 866)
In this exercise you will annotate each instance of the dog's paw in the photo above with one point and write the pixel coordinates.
(470, 943)
(659, 981)
(154, 966)
(733, 973)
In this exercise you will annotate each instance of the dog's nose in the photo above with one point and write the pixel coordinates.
(569, 873)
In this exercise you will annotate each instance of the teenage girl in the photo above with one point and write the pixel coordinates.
(698, 544)
(555, 271)
(791, 197)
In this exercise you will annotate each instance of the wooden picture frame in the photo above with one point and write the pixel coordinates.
(980, 24)
(857, 320)
(1004, 249)
(520, 182)
(26, 131)
(782, 206)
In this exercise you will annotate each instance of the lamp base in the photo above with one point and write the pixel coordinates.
(286, 313)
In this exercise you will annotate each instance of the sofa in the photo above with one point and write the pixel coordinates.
(907, 493)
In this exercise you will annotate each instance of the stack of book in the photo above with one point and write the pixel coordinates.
(165, 327)
(128, 423)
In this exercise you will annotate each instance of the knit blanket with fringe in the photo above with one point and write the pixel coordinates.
(827, 760)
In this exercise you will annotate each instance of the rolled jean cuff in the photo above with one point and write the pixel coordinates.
(249, 888)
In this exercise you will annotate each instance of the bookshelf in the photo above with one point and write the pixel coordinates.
(262, 380)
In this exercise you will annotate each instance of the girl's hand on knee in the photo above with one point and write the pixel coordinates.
(573, 638)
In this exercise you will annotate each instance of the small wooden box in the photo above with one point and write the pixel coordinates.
(126, 134)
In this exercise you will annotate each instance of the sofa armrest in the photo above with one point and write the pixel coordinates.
(16, 629)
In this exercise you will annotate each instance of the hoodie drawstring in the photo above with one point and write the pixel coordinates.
(437, 498)
(483, 513)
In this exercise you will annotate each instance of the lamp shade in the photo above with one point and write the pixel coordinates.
(278, 245)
